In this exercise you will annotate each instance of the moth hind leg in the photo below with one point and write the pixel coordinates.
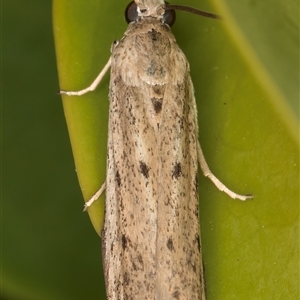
(95, 197)
(221, 186)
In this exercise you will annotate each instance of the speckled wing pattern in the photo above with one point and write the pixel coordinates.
(151, 238)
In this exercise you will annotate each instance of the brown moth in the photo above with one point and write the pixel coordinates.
(151, 237)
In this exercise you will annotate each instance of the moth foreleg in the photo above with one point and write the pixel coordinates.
(93, 86)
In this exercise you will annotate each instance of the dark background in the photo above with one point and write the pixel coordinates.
(44, 234)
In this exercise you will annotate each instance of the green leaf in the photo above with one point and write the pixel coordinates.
(267, 36)
(245, 73)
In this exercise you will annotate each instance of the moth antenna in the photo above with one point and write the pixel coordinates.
(193, 11)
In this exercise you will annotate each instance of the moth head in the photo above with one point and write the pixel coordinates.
(139, 9)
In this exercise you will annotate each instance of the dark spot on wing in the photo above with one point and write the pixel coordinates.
(124, 242)
(157, 104)
(176, 173)
(144, 169)
(176, 295)
(118, 178)
(170, 244)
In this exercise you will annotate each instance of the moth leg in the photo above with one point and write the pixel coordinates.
(93, 86)
(221, 186)
(94, 197)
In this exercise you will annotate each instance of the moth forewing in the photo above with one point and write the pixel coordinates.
(151, 231)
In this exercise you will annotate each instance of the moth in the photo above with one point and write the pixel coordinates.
(151, 245)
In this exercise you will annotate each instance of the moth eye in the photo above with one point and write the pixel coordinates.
(169, 16)
(131, 13)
